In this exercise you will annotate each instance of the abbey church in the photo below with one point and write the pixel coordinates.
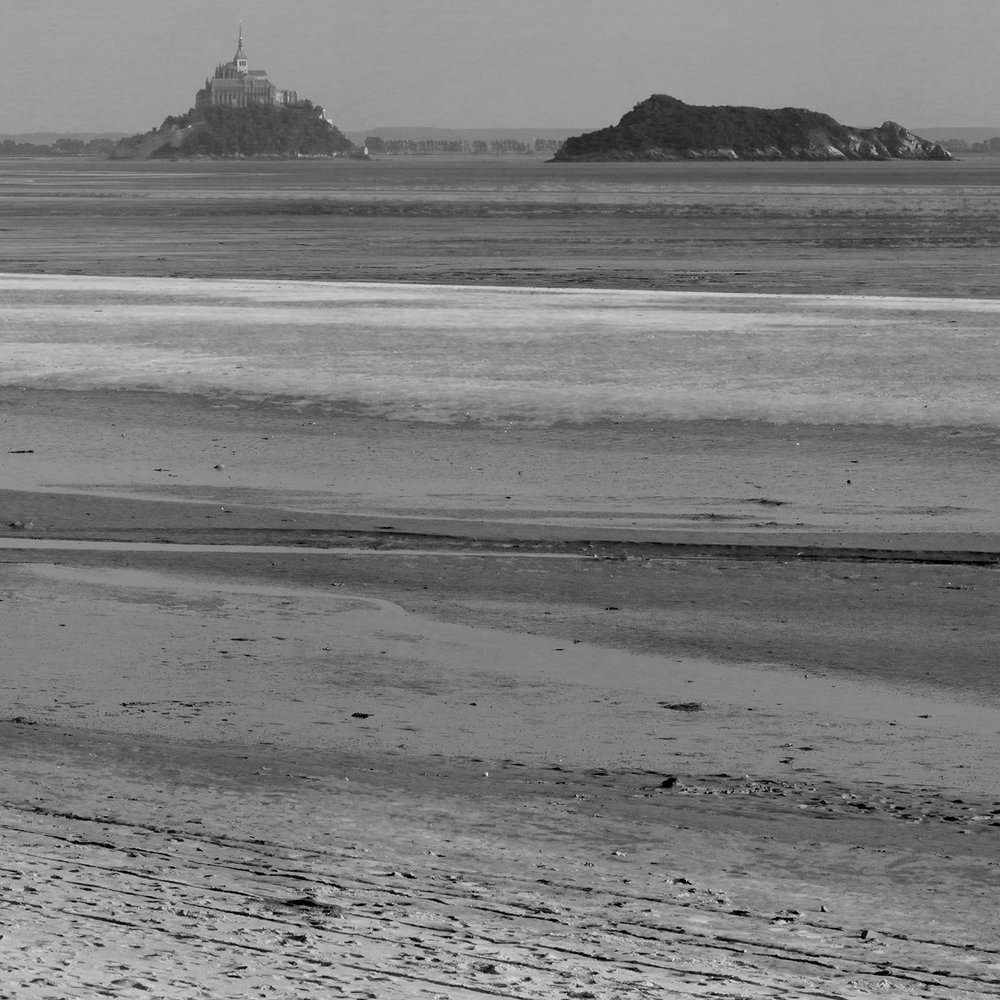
(235, 86)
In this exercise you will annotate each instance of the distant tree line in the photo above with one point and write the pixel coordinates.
(377, 146)
(964, 146)
(58, 147)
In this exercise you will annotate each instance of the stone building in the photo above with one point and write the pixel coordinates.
(236, 86)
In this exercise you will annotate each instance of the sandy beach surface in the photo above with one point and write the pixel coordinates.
(312, 703)
(394, 745)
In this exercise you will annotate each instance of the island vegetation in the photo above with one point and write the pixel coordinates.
(258, 130)
(665, 128)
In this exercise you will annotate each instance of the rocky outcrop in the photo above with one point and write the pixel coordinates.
(163, 141)
(665, 128)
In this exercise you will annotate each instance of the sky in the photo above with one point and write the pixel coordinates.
(124, 65)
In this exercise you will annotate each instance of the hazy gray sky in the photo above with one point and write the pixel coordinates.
(106, 65)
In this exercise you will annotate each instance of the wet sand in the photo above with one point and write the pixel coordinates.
(371, 741)
(875, 229)
(724, 728)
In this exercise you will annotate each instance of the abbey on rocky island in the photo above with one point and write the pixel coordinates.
(236, 86)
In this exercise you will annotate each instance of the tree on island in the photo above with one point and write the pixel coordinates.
(274, 130)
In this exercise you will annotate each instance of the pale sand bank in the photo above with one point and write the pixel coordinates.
(305, 291)
(511, 357)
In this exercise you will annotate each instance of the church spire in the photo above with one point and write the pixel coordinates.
(240, 59)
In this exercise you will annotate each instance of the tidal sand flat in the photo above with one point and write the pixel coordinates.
(393, 640)
(866, 228)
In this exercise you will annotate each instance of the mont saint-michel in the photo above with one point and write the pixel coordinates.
(235, 85)
(240, 112)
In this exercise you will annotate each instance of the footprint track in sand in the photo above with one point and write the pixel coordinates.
(303, 903)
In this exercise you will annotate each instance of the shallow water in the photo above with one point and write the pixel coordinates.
(535, 356)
